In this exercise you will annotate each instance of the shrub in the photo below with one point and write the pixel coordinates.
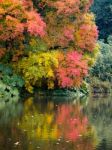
(10, 84)
(102, 68)
(37, 69)
(71, 70)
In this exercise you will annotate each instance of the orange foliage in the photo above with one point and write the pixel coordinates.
(62, 26)
(16, 20)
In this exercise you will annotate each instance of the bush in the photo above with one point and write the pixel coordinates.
(10, 84)
(103, 66)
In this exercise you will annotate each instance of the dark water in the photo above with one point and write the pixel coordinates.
(46, 124)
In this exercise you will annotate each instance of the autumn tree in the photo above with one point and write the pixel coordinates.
(16, 22)
(56, 39)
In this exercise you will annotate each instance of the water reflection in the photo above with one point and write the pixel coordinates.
(49, 125)
(9, 112)
(99, 112)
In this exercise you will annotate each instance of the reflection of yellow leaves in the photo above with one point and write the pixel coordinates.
(29, 101)
(54, 133)
(38, 125)
(38, 131)
(49, 119)
(50, 105)
(45, 132)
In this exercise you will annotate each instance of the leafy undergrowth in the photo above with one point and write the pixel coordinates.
(10, 84)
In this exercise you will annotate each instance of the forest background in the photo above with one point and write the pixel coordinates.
(51, 45)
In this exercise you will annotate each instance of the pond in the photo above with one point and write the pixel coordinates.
(45, 123)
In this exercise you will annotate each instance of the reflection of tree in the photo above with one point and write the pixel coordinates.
(46, 125)
(9, 132)
(10, 112)
(71, 122)
(37, 124)
(9, 135)
(56, 127)
(99, 112)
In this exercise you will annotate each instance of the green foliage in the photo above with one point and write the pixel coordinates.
(9, 78)
(84, 88)
(35, 44)
(10, 111)
(8, 93)
(97, 86)
(103, 67)
(10, 84)
(103, 11)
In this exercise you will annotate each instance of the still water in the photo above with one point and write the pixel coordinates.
(46, 124)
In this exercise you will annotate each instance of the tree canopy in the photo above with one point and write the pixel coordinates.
(103, 12)
(51, 44)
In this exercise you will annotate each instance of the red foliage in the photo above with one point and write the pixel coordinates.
(69, 7)
(72, 68)
(18, 18)
(67, 35)
(35, 24)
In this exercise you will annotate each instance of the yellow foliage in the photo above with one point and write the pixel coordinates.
(89, 18)
(91, 57)
(37, 67)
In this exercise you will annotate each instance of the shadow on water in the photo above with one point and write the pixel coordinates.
(55, 123)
